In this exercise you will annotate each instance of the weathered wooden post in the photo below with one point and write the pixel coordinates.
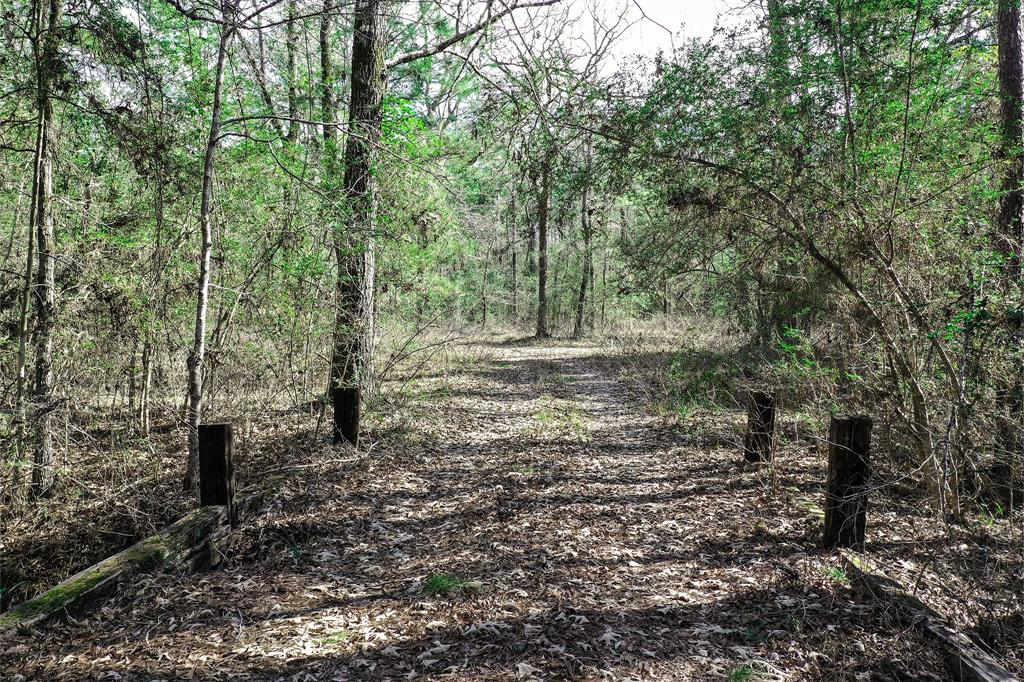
(1004, 491)
(1001, 476)
(849, 474)
(216, 470)
(759, 441)
(346, 419)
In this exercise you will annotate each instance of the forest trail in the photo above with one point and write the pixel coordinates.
(533, 523)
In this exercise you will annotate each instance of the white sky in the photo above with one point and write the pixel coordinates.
(684, 18)
(687, 18)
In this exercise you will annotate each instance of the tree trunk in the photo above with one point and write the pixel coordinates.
(149, 331)
(195, 360)
(328, 111)
(513, 265)
(354, 324)
(48, 17)
(133, 379)
(1011, 95)
(292, 135)
(555, 309)
(146, 388)
(156, 307)
(531, 231)
(483, 290)
(587, 264)
(21, 393)
(604, 286)
(666, 302)
(543, 200)
(291, 48)
(329, 115)
(1010, 224)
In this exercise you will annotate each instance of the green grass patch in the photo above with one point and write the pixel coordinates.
(337, 638)
(448, 583)
(560, 417)
(753, 634)
(838, 575)
(745, 673)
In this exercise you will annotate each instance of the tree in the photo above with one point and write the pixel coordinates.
(587, 262)
(46, 44)
(228, 24)
(1009, 235)
(543, 211)
(354, 249)
(351, 366)
(830, 193)
(198, 354)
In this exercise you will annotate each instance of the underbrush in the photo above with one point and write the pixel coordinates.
(116, 485)
(697, 378)
(697, 365)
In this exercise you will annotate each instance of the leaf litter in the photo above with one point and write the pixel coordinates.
(600, 545)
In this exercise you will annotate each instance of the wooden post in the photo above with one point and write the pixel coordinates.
(1004, 490)
(760, 438)
(346, 415)
(849, 474)
(216, 470)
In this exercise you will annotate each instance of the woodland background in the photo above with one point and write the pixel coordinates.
(832, 187)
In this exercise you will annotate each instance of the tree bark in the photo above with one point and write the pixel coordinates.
(587, 267)
(327, 106)
(604, 284)
(196, 358)
(483, 289)
(21, 415)
(514, 257)
(291, 49)
(543, 201)
(1011, 96)
(46, 44)
(157, 304)
(531, 229)
(351, 368)
(291, 136)
(1010, 224)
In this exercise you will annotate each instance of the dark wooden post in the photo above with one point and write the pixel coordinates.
(346, 415)
(1005, 491)
(849, 474)
(760, 438)
(216, 470)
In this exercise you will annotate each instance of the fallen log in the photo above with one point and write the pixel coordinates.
(966, 660)
(190, 543)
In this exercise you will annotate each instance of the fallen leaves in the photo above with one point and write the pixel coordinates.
(607, 544)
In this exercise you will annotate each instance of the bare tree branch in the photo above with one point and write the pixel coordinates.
(462, 35)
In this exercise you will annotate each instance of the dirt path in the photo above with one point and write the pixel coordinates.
(520, 519)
